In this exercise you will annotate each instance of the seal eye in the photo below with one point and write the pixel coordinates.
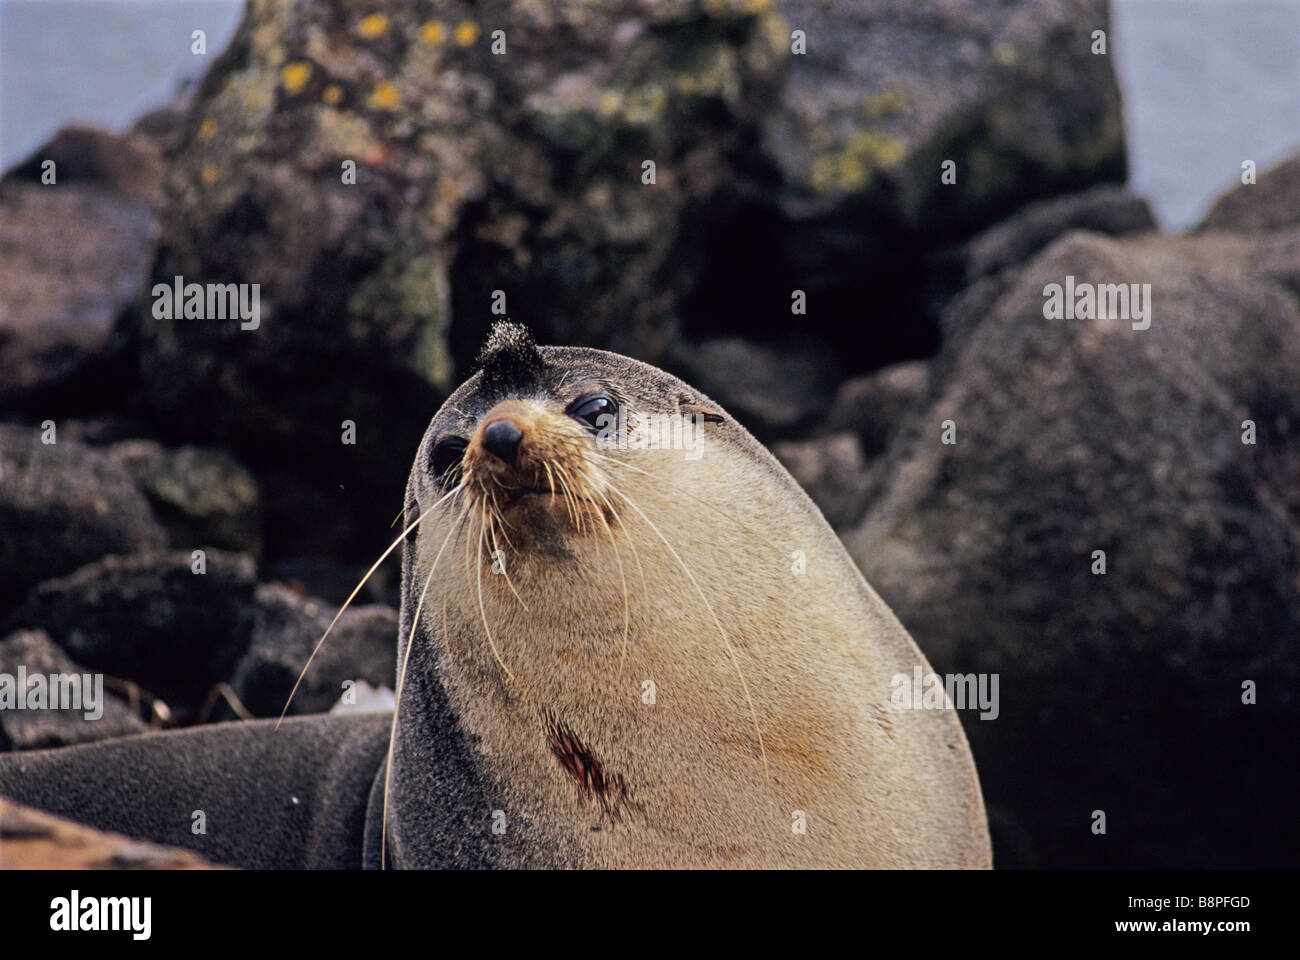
(592, 408)
(445, 460)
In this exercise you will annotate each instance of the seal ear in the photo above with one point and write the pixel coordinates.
(509, 359)
(695, 409)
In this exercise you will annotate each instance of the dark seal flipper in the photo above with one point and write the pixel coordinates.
(289, 798)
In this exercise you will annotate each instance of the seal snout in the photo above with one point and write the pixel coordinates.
(501, 439)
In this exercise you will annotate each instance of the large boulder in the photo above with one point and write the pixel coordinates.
(75, 255)
(62, 506)
(845, 197)
(1124, 691)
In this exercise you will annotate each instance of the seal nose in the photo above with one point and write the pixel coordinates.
(501, 439)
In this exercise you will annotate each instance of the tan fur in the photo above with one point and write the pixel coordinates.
(785, 708)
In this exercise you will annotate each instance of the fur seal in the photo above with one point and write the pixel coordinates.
(613, 653)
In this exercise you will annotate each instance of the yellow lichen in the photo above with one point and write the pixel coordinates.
(433, 33)
(208, 174)
(757, 6)
(385, 97)
(375, 25)
(294, 76)
(777, 30)
(466, 32)
(207, 129)
(884, 104)
(852, 166)
(332, 94)
(610, 101)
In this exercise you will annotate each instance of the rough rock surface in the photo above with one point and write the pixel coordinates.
(1121, 691)
(846, 201)
(873, 407)
(63, 505)
(203, 497)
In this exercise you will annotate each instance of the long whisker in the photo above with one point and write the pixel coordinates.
(352, 596)
(718, 623)
(481, 609)
(492, 535)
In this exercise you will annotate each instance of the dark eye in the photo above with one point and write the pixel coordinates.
(591, 408)
(446, 458)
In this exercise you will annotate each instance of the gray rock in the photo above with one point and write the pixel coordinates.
(73, 257)
(1104, 209)
(874, 406)
(150, 619)
(888, 89)
(201, 496)
(845, 200)
(29, 729)
(283, 628)
(125, 165)
(62, 506)
(1083, 435)
(1271, 203)
(832, 471)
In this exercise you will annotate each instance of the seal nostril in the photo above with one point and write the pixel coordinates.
(501, 439)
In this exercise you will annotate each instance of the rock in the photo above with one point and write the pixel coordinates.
(73, 257)
(33, 840)
(1074, 436)
(128, 166)
(62, 506)
(82, 721)
(283, 629)
(832, 471)
(203, 497)
(773, 393)
(150, 619)
(1011, 92)
(845, 198)
(873, 406)
(1104, 209)
(1271, 203)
